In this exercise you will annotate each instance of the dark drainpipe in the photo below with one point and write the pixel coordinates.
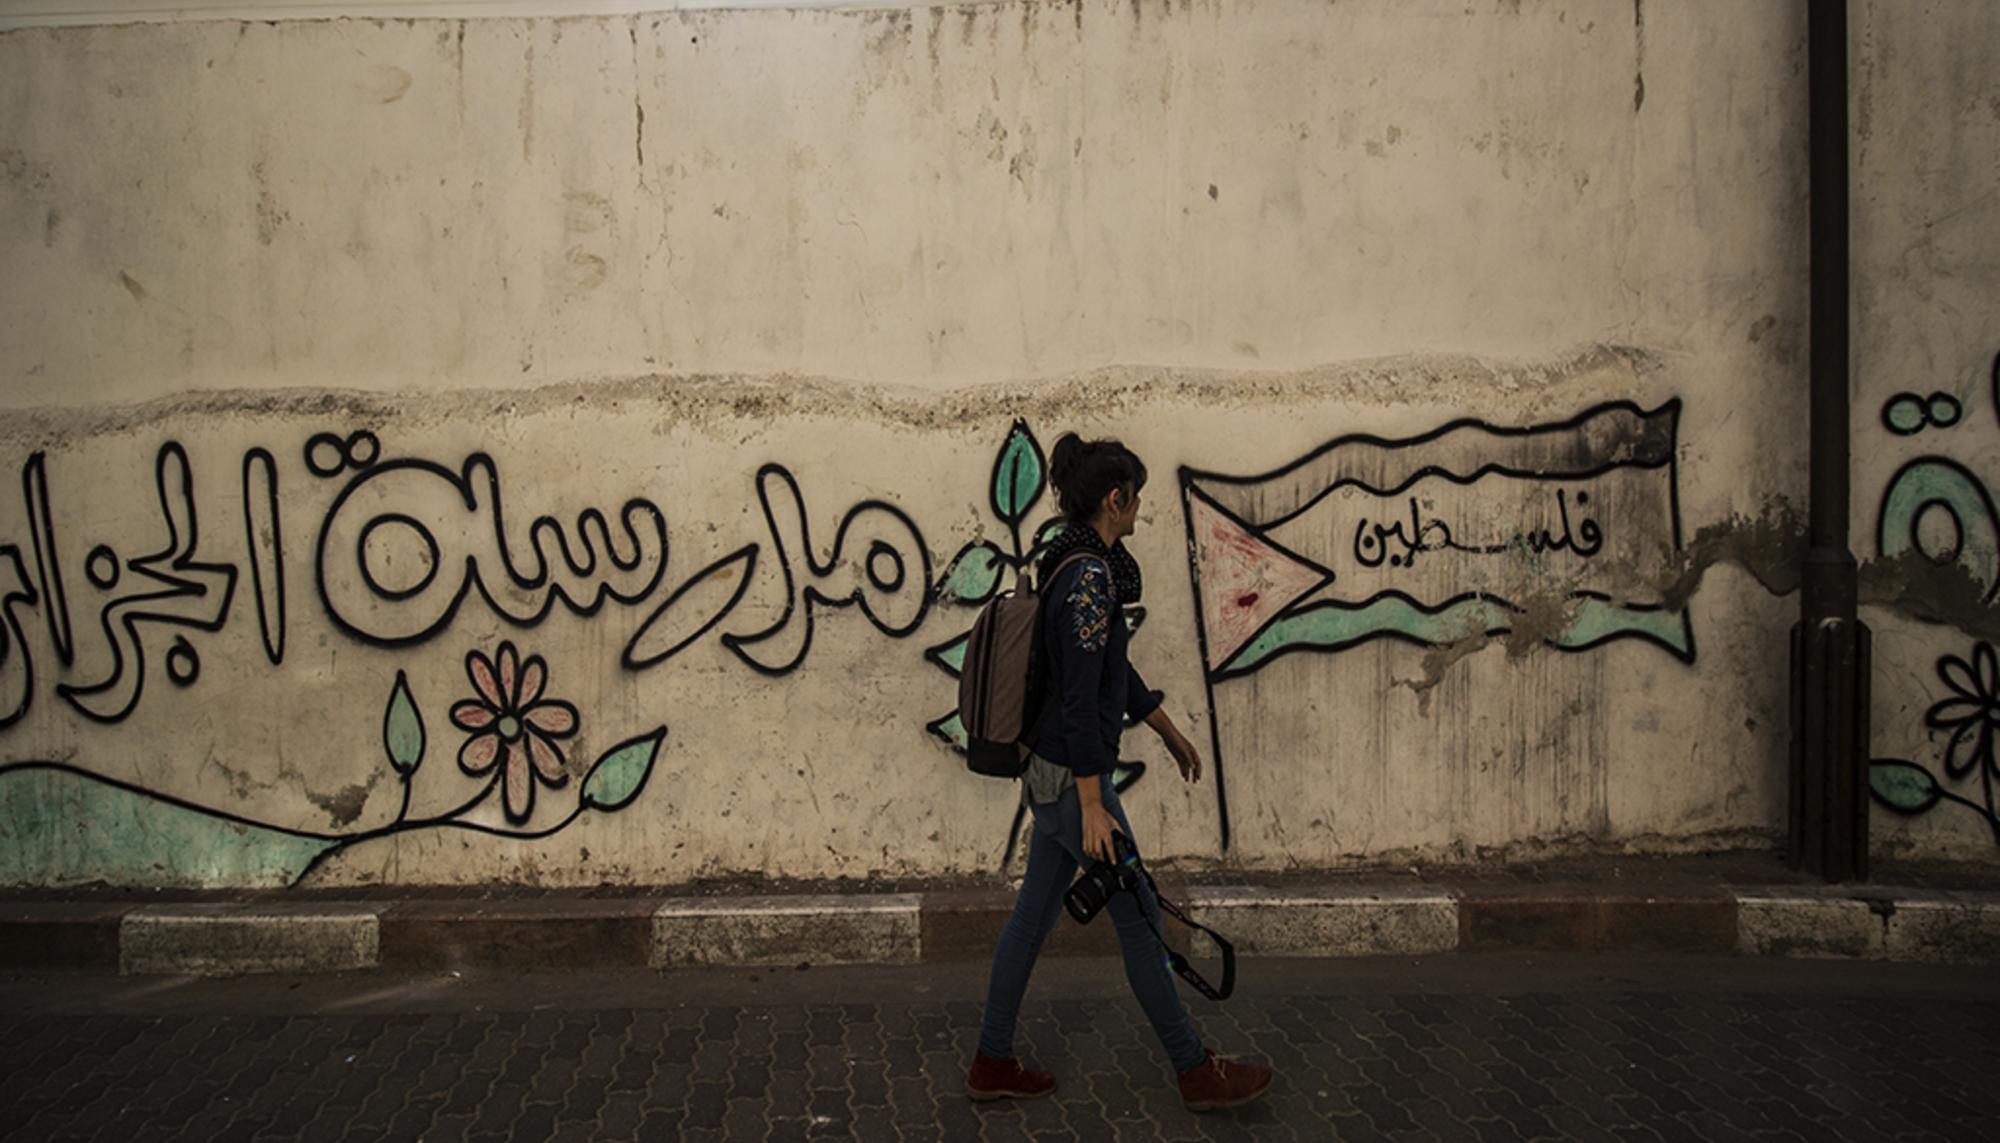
(1828, 833)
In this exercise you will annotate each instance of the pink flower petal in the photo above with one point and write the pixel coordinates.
(548, 760)
(480, 669)
(472, 715)
(510, 676)
(476, 756)
(520, 783)
(533, 677)
(554, 718)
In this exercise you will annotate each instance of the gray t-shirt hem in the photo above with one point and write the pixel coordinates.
(1044, 781)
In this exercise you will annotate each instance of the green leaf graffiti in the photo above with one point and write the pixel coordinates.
(950, 729)
(1903, 786)
(403, 729)
(1967, 710)
(1047, 532)
(1017, 475)
(975, 574)
(618, 776)
(950, 656)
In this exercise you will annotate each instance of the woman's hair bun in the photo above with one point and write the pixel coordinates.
(1064, 457)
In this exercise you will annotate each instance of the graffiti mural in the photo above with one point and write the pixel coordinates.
(396, 552)
(168, 588)
(264, 539)
(407, 540)
(1469, 531)
(1969, 714)
(1433, 539)
(1941, 511)
(66, 823)
(1934, 505)
(981, 568)
(1907, 414)
(17, 675)
(889, 581)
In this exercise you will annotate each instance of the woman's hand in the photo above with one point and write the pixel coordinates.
(1098, 825)
(1185, 756)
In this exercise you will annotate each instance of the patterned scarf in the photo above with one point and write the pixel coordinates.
(1125, 578)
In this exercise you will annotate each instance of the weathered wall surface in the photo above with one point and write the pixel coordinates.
(564, 450)
(1927, 443)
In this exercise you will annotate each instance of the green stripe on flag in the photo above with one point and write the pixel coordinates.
(1332, 626)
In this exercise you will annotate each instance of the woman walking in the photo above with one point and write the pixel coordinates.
(1090, 688)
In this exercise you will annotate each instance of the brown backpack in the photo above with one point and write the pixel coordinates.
(999, 689)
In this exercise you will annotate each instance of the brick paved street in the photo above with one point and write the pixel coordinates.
(1449, 1048)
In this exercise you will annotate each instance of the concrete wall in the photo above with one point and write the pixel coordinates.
(1927, 443)
(704, 360)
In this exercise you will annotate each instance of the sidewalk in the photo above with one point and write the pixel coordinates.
(1745, 904)
(1506, 1047)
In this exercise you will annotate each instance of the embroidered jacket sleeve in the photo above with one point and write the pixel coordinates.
(1082, 634)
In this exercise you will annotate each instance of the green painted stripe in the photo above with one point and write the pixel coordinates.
(1334, 626)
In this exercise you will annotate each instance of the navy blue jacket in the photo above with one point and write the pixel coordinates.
(1090, 685)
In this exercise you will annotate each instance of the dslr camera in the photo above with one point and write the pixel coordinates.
(1091, 891)
(1124, 874)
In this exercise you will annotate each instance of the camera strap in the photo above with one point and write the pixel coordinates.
(1183, 967)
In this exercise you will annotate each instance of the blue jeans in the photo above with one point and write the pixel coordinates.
(1054, 854)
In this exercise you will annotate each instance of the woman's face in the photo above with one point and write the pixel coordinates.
(1121, 511)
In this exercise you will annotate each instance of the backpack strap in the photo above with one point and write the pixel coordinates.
(1056, 571)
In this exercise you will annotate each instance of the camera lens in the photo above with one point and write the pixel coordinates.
(1087, 897)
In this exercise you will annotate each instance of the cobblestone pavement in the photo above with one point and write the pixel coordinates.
(1591, 1052)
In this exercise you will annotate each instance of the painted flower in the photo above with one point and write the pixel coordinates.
(514, 726)
(1971, 713)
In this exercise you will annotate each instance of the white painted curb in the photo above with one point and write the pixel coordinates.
(1942, 929)
(1801, 921)
(233, 939)
(1935, 926)
(883, 928)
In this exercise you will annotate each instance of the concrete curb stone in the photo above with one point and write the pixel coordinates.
(1924, 925)
(558, 931)
(1261, 922)
(880, 928)
(229, 939)
(1952, 930)
(1806, 921)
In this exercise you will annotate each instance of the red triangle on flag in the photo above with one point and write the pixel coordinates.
(1245, 580)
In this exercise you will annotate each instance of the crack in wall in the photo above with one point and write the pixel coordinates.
(1639, 55)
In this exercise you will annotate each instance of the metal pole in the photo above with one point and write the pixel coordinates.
(1829, 824)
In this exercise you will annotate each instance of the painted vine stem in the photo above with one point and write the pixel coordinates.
(613, 781)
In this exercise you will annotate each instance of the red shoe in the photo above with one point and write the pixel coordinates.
(1006, 1079)
(1218, 1082)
